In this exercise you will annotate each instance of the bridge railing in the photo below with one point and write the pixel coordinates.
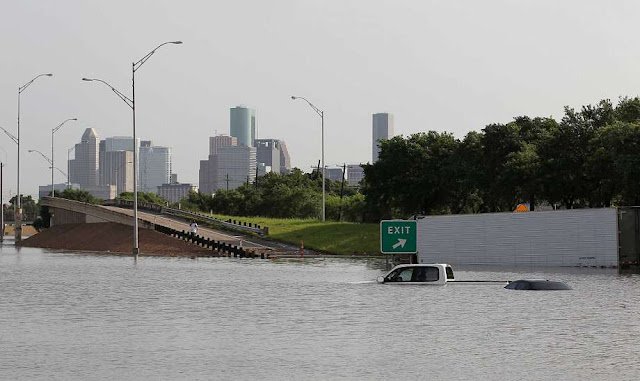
(229, 223)
(222, 248)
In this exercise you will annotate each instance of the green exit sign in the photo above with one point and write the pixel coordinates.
(398, 237)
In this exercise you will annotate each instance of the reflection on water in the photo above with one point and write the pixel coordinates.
(70, 316)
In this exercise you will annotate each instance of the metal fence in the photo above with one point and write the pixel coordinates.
(222, 248)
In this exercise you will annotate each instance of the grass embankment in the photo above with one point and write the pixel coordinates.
(330, 237)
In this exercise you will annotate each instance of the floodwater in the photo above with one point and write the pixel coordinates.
(74, 316)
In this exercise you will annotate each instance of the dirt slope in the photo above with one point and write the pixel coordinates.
(114, 238)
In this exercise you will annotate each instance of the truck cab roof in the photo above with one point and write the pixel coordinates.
(435, 274)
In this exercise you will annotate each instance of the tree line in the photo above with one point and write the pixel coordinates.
(293, 195)
(590, 158)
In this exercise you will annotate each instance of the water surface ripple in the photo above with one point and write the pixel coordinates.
(70, 316)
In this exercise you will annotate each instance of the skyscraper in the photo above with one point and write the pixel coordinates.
(120, 143)
(220, 141)
(268, 153)
(243, 125)
(235, 165)
(116, 168)
(382, 129)
(84, 167)
(208, 178)
(285, 160)
(154, 167)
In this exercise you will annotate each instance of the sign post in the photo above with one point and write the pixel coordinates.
(399, 236)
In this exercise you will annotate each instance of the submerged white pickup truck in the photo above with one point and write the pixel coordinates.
(430, 274)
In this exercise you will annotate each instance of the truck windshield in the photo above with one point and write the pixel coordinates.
(401, 275)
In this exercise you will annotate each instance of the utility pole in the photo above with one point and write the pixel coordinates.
(344, 168)
(256, 177)
(227, 180)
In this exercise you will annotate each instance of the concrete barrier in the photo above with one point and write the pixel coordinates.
(72, 212)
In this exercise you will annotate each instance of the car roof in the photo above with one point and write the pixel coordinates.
(537, 284)
(422, 265)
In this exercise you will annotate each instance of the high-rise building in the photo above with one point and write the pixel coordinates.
(120, 143)
(235, 165)
(154, 167)
(382, 130)
(268, 153)
(116, 168)
(206, 175)
(221, 141)
(176, 192)
(355, 174)
(334, 174)
(285, 160)
(243, 125)
(84, 167)
(208, 168)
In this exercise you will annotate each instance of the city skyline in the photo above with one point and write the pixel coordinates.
(445, 67)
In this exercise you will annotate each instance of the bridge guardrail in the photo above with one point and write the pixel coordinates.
(224, 249)
(233, 224)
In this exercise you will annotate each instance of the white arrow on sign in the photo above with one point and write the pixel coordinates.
(401, 242)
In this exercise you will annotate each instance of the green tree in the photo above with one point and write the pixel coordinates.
(78, 195)
(412, 175)
(147, 197)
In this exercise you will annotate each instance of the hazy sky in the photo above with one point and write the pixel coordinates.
(436, 65)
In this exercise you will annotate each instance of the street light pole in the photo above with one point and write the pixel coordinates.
(18, 210)
(45, 157)
(131, 102)
(53, 131)
(321, 114)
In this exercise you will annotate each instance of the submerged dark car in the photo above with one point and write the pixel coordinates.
(537, 284)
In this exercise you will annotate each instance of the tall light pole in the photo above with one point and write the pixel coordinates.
(69, 166)
(131, 102)
(18, 210)
(45, 157)
(53, 131)
(321, 113)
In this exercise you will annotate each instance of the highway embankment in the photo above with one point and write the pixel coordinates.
(112, 238)
(330, 237)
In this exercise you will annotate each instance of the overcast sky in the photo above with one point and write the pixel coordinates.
(436, 65)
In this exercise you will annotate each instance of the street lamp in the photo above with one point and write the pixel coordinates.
(131, 102)
(45, 157)
(18, 211)
(53, 131)
(321, 113)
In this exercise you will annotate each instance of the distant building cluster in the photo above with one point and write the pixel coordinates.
(240, 157)
(104, 168)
